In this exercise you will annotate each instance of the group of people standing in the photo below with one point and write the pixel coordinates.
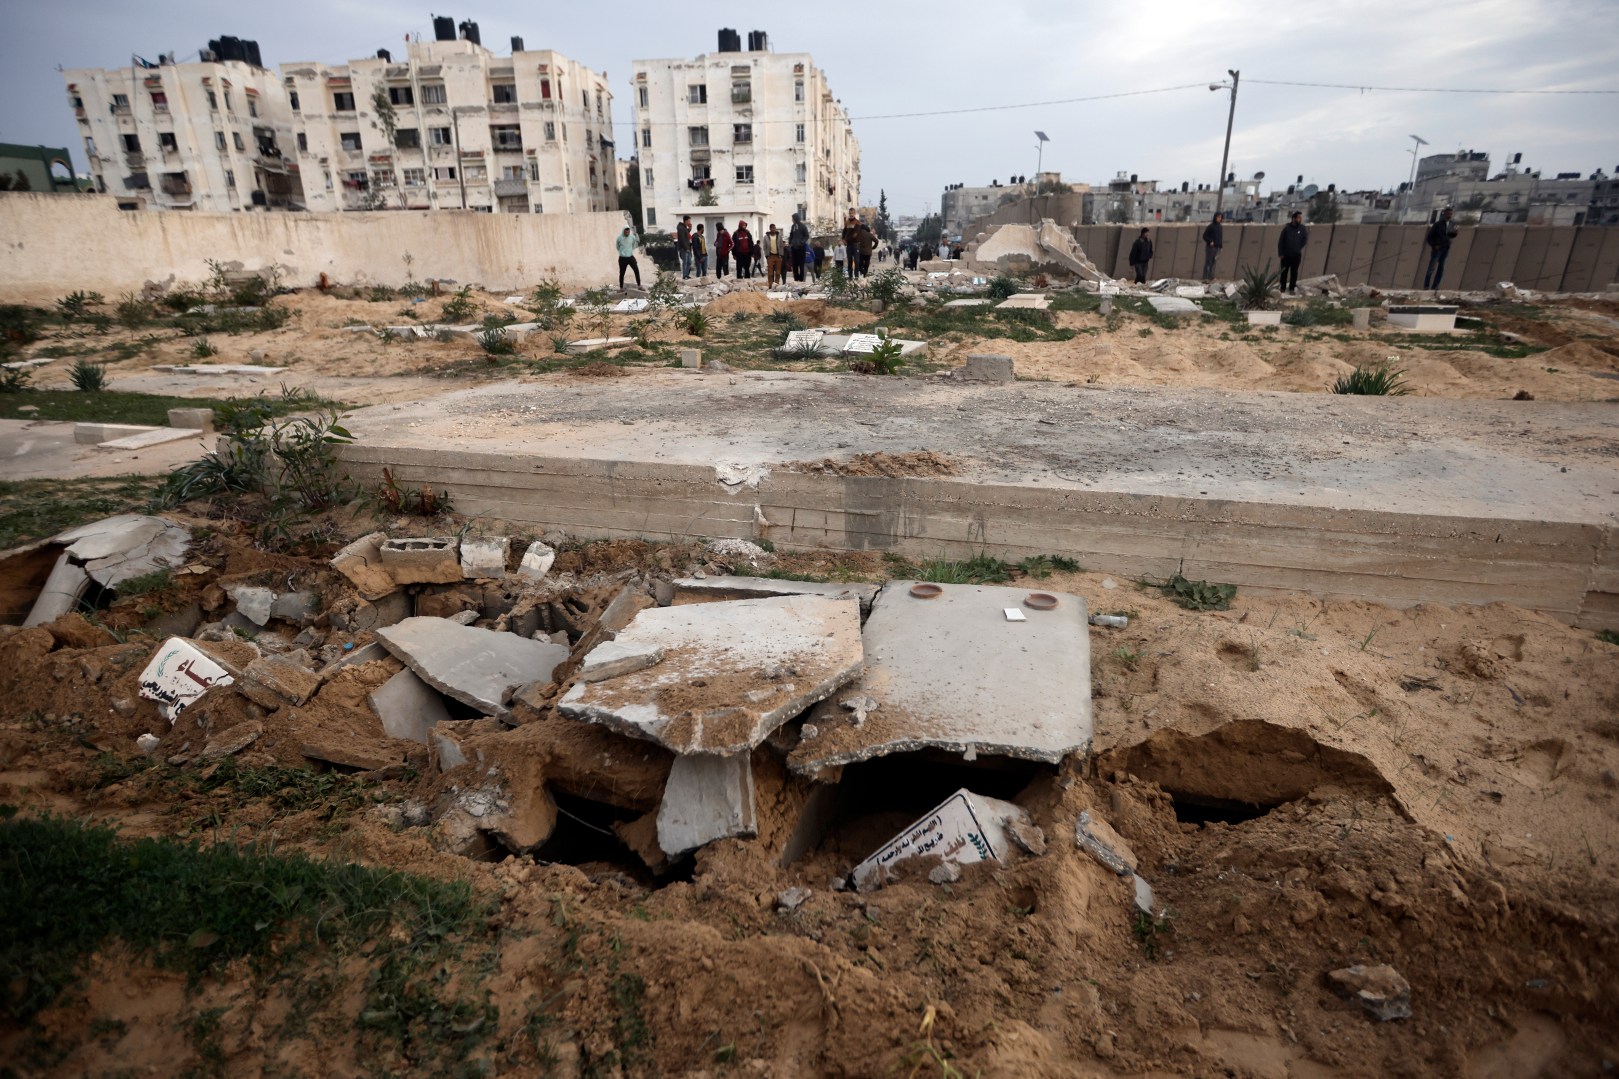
(773, 255)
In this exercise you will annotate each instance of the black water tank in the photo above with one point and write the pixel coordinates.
(758, 41)
(385, 56)
(443, 28)
(730, 40)
(253, 58)
(1132, 177)
(517, 44)
(469, 30)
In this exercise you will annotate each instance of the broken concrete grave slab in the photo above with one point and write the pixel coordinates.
(478, 667)
(1032, 301)
(591, 344)
(218, 369)
(361, 563)
(611, 659)
(231, 741)
(194, 419)
(273, 681)
(707, 798)
(1173, 305)
(950, 672)
(178, 674)
(965, 828)
(93, 434)
(968, 302)
(408, 707)
(299, 608)
(423, 560)
(706, 589)
(1098, 839)
(732, 672)
(484, 558)
(140, 440)
(537, 561)
(363, 754)
(108, 552)
(253, 602)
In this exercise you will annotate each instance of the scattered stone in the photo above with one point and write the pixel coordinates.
(253, 602)
(369, 652)
(706, 798)
(273, 681)
(177, 675)
(1098, 839)
(478, 667)
(356, 753)
(945, 873)
(447, 603)
(537, 561)
(484, 558)
(232, 741)
(361, 563)
(1379, 989)
(300, 608)
(464, 618)
(986, 367)
(1030, 837)
(792, 899)
(423, 560)
(964, 828)
(408, 707)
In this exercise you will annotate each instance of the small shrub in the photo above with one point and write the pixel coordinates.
(424, 503)
(696, 321)
(88, 377)
(381, 294)
(1199, 595)
(201, 349)
(76, 304)
(665, 294)
(496, 342)
(1259, 289)
(886, 286)
(644, 332)
(460, 307)
(560, 343)
(183, 299)
(804, 350)
(1379, 380)
(133, 311)
(1002, 288)
(15, 379)
(1318, 313)
(98, 321)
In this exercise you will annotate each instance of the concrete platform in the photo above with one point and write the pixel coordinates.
(1398, 500)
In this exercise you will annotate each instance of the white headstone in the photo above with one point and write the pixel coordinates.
(178, 674)
(862, 342)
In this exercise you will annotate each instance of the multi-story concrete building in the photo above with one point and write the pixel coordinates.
(210, 135)
(453, 126)
(742, 134)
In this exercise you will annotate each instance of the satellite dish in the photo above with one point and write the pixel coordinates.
(1259, 175)
(1309, 191)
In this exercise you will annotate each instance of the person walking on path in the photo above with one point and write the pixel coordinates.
(798, 242)
(866, 240)
(699, 251)
(742, 244)
(1440, 234)
(773, 251)
(1290, 246)
(817, 257)
(683, 245)
(1140, 255)
(1213, 240)
(626, 258)
(722, 250)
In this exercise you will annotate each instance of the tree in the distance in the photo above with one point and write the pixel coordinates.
(629, 196)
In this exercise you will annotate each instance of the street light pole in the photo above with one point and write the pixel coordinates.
(1225, 155)
(1405, 200)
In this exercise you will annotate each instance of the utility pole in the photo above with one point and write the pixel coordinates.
(1225, 155)
(460, 166)
(1405, 199)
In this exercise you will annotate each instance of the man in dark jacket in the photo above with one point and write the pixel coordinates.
(683, 245)
(1440, 234)
(1213, 240)
(1140, 255)
(1290, 246)
(798, 246)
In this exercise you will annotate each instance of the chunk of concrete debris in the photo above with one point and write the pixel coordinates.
(793, 898)
(253, 602)
(707, 798)
(965, 828)
(273, 681)
(232, 740)
(362, 754)
(945, 873)
(361, 563)
(484, 558)
(695, 589)
(732, 672)
(300, 608)
(1098, 839)
(178, 674)
(148, 743)
(986, 367)
(422, 560)
(613, 658)
(950, 672)
(1173, 305)
(408, 707)
(108, 552)
(1032, 301)
(478, 667)
(537, 561)
(1379, 989)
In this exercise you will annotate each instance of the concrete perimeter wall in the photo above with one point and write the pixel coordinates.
(53, 244)
(1565, 569)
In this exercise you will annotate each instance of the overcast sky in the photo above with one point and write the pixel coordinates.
(888, 58)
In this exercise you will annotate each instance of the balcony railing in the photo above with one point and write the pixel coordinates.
(172, 186)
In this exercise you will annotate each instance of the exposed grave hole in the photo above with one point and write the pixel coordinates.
(584, 837)
(1242, 770)
(21, 578)
(877, 798)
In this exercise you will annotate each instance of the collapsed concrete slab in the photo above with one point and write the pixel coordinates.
(107, 553)
(951, 672)
(361, 563)
(708, 589)
(408, 707)
(731, 674)
(707, 798)
(1174, 305)
(963, 829)
(478, 667)
(273, 681)
(484, 558)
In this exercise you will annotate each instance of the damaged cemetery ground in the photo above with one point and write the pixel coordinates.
(542, 805)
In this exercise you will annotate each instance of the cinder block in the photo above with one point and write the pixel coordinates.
(987, 368)
(427, 560)
(691, 357)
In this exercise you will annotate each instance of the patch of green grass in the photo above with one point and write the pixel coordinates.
(1199, 595)
(1373, 380)
(1075, 301)
(36, 509)
(980, 569)
(159, 580)
(1043, 565)
(1608, 636)
(1319, 312)
(118, 406)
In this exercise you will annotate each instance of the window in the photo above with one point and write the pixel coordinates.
(121, 101)
(550, 131)
(408, 138)
(506, 137)
(252, 106)
(697, 93)
(513, 172)
(166, 142)
(701, 172)
(800, 133)
(382, 178)
(801, 173)
(651, 217)
(415, 177)
(741, 132)
(160, 101)
(646, 136)
(228, 106)
(400, 95)
(534, 170)
(356, 179)
(230, 178)
(545, 89)
(698, 136)
(744, 174)
(798, 90)
(439, 136)
(132, 144)
(504, 93)
(213, 101)
(433, 94)
(89, 146)
(342, 101)
(598, 102)
(585, 95)
(350, 140)
(444, 172)
(741, 92)
(292, 99)
(236, 137)
(643, 96)
(475, 172)
(646, 178)
(303, 143)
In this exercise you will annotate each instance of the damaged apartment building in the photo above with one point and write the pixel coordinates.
(450, 125)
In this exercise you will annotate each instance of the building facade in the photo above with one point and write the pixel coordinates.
(210, 135)
(453, 126)
(736, 134)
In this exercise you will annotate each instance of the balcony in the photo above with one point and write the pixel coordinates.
(508, 188)
(134, 158)
(176, 186)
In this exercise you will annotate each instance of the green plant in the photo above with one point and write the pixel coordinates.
(980, 569)
(15, 379)
(201, 349)
(644, 331)
(159, 580)
(425, 502)
(560, 343)
(1259, 289)
(1608, 636)
(1148, 929)
(1042, 565)
(133, 311)
(88, 377)
(886, 286)
(1199, 595)
(1002, 288)
(380, 294)
(76, 304)
(665, 294)
(884, 359)
(597, 304)
(546, 304)
(496, 341)
(1319, 312)
(696, 320)
(1376, 380)
(803, 350)
(1130, 657)
(460, 307)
